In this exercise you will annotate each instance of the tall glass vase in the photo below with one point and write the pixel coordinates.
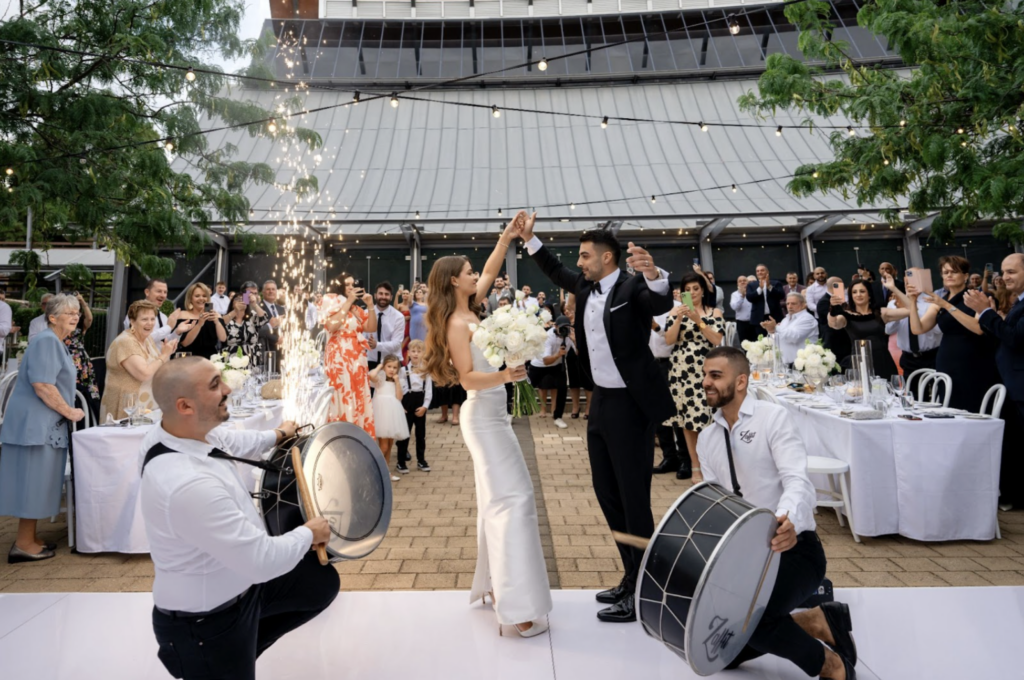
(864, 365)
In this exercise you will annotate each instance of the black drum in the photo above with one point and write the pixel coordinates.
(707, 575)
(349, 484)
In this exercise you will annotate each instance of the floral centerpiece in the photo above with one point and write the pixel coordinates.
(22, 346)
(234, 368)
(815, 362)
(513, 336)
(760, 354)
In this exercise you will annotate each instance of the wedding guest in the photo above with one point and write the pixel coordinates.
(816, 291)
(975, 281)
(670, 437)
(200, 330)
(770, 471)
(1009, 358)
(741, 308)
(156, 292)
(500, 290)
(578, 378)
(39, 323)
(417, 391)
(132, 360)
(242, 324)
(966, 353)
(766, 297)
(793, 284)
(796, 330)
(863, 320)
(886, 269)
(692, 332)
(6, 321)
(220, 299)
(270, 332)
(836, 340)
(388, 414)
(35, 433)
(916, 351)
(346, 323)
(528, 298)
(86, 374)
(418, 315)
(547, 372)
(389, 333)
(719, 293)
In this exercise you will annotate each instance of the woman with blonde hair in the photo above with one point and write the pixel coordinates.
(132, 361)
(510, 563)
(199, 326)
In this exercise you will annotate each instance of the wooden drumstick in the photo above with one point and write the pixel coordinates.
(631, 540)
(307, 502)
(753, 602)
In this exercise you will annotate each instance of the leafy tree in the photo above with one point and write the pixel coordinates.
(60, 112)
(944, 136)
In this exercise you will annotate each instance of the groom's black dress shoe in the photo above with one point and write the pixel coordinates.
(837, 615)
(666, 465)
(621, 612)
(613, 595)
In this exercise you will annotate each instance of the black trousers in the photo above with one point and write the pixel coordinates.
(912, 362)
(801, 571)
(620, 441)
(670, 437)
(410, 402)
(1011, 470)
(747, 331)
(225, 645)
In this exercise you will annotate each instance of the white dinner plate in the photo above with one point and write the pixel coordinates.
(977, 416)
(822, 407)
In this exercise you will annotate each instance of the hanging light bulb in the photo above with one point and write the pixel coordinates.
(572, 206)
(496, 112)
(959, 130)
(903, 123)
(734, 26)
(654, 199)
(814, 174)
(885, 161)
(499, 212)
(169, 145)
(10, 171)
(703, 127)
(778, 131)
(604, 123)
(190, 75)
(417, 214)
(850, 131)
(394, 100)
(272, 126)
(542, 65)
(734, 188)
(964, 143)
(355, 98)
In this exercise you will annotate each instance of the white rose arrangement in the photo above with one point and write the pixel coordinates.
(513, 336)
(814, 361)
(759, 351)
(234, 368)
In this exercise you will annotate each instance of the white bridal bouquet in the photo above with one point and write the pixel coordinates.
(759, 351)
(234, 368)
(814, 361)
(512, 337)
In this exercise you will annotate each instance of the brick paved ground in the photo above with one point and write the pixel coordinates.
(432, 540)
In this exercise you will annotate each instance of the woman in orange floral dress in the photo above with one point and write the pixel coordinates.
(345, 354)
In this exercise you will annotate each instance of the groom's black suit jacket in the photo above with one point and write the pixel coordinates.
(628, 329)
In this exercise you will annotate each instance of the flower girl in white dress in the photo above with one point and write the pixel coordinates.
(388, 413)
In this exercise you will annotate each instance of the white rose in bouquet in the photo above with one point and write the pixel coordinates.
(234, 379)
(512, 337)
(238, 361)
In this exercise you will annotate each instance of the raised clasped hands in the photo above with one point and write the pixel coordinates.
(977, 301)
(768, 325)
(641, 261)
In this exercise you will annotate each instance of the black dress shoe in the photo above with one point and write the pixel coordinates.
(684, 472)
(17, 555)
(623, 611)
(666, 465)
(613, 595)
(851, 672)
(837, 615)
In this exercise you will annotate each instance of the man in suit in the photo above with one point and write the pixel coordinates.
(270, 332)
(793, 284)
(614, 313)
(766, 297)
(881, 292)
(1010, 359)
(156, 292)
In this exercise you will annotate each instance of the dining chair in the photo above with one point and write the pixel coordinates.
(834, 469)
(997, 393)
(933, 380)
(917, 375)
(6, 389)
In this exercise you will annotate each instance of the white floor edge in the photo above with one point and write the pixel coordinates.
(902, 633)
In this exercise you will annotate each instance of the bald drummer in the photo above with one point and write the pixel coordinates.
(225, 590)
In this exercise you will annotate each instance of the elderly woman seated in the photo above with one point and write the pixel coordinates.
(35, 432)
(132, 359)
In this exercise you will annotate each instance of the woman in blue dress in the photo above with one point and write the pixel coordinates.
(35, 433)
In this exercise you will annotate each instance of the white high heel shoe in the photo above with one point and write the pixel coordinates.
(539, 627)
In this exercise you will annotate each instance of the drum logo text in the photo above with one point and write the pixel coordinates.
(719, 638)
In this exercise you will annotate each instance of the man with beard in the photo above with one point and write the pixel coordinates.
(816, 290)
(753, 449)
(390, 333)
(225, 590)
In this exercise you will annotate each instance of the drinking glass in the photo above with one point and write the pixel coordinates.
(898, 384)
(131, 407)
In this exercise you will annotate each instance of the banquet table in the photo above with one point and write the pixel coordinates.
(108, 511)
(929, 479)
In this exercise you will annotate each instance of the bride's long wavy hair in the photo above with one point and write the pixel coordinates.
(437, 359)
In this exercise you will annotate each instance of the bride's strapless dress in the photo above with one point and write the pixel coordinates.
(510, 560)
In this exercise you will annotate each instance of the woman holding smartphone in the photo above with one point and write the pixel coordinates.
(242, 323)
(205, 328)
(346, 321)
(693, 329)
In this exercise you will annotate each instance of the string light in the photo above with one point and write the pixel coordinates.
(734, 188)
(903, 123)
(496, 112)
(604, 123)
(703, 127)
(959, 130)
(355, 98)
(499, 212)
(885, 161)
(394, 100)
(272, 126)
(734, 26)
(417, 214)
(169, 145)
(850, 131)
(10, 171)
(778, 131)
(654, 199)
(542, 65)
(814, 174)
(572, 206)
(190, 75)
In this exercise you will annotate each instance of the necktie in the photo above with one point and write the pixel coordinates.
(160, 319)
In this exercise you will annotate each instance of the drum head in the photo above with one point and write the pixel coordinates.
(350, 487)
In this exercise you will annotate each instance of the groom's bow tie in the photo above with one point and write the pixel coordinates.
(595, 287)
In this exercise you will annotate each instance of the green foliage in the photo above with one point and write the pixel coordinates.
(30, 262)
(58, 110)
(968, 75)
(22, 316)
(77, 277)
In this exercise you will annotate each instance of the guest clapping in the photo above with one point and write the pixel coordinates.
(863, 320)
(796, 330)
(242, 324)
(35, 433)
(132, 360)
(200, 328)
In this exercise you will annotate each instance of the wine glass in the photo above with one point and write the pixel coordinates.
(131, 407)
(898, 385)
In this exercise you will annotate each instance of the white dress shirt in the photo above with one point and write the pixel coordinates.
(36, 326)
(411, 381)
(659, 348)
(391, 327)
(770, 461)
(741, 305)
(599, 351)
(793, 332)
(207, 540)
(719, 299)
(161, 331)
(552, 344)
(6, 323)
(221, 303)
(925, 342)
(813, 295)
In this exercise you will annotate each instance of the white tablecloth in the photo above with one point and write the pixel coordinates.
(108, 514)
(930, 480)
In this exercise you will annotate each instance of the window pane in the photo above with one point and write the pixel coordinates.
(453, 51)
(348, 53)
(369, 51)
(408, 61)
(683, 49)
(491, 44)
(639, 53)
(327, 52)
(513, 47)
(659, 45)
(572, 29)
(430, 50)
(594, 37)
(390, 46)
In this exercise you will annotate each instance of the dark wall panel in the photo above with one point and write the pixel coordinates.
(841, 257)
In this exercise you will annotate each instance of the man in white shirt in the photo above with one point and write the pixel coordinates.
(39, 324)
(919, 351)
(741, 308)
(796, 330)
(6, 321)
(390, 333)
(225, 590)
(156, 292)
(670, 438)
(528, 298)
(220, 300)
(547, 372)
(753, 449)
(816, 290)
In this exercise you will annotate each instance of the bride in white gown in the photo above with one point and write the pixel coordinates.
(510, 562)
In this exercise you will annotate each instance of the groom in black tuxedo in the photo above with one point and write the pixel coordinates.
(631, 396)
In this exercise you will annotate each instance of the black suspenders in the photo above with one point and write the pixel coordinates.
(732, 466)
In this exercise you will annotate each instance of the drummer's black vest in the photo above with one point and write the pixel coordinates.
(160, 449)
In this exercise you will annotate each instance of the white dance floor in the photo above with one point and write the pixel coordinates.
(934, 633)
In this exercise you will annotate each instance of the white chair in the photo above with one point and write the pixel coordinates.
(932, 381)
(6, 389)
(918, 375)
(833, 468)
(997, 393)
(763, 394)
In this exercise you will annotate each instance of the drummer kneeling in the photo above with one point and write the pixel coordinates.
(753, 448)
(225, 590)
